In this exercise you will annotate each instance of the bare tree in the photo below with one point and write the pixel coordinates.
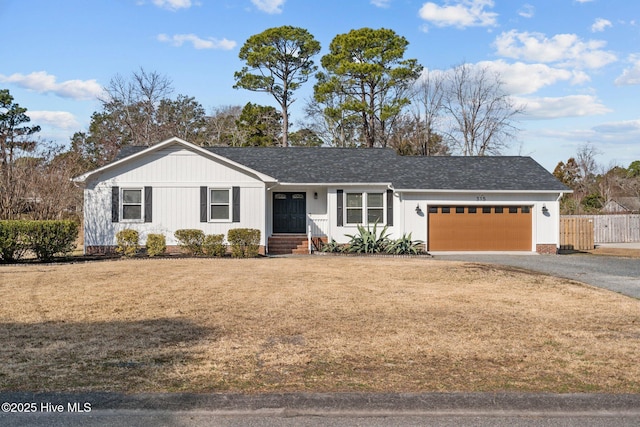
(427, 106)
(222, 127)
(135, 102)
(482, 114)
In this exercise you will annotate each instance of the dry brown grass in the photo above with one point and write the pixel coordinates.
(311, 324)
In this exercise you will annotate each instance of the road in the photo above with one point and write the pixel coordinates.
(330, 409)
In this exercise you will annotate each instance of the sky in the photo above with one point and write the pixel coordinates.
(573, 64)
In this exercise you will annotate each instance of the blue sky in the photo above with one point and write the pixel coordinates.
(575, 64)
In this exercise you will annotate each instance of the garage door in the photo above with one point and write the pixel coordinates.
(479, 228)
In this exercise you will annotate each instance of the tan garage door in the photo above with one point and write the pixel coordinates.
(479, 228)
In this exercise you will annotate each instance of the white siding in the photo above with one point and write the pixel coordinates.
(176, 176)
(545, 227)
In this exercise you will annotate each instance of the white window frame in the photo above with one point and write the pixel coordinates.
(364, 218)
(122, 204)
(210, 204)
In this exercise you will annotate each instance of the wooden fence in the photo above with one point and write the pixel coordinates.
(576, 233)
(604, 229)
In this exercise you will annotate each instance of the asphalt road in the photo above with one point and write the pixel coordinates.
(330, 409)
(618, 274)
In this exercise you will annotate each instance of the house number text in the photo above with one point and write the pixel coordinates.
(481, 198)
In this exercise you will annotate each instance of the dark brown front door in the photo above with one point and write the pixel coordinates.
(289, 212)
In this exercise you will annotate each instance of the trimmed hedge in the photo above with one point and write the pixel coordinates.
(244, 242)
(190, 240)
(128, 242)
(156, 244)
(213, 245)
(45, 239)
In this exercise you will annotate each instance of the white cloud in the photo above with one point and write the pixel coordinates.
(562, 49)
(381, 3)
(630, 76)
(624, 126)
(461, 14)
(173, 5)
(56, 119)
(42, 82)
(269, 6)
(566, 106)
(522, 79)
(197, 42)
(527, 11)
(600, 25)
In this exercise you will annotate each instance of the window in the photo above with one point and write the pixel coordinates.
(375, 206)
(132, 204)
(359, 204)
(513, 209)
(526, 209)
(472, 209)
(486, 209)
(498, 209)
(219, 204)
(433, 209)
(459, 209)
(445, 209)
(354, 208)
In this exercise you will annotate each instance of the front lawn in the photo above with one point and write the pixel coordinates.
(310, 324)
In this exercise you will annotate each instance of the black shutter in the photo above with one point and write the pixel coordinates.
(389, 207)
(236, 204)
(203, 204)
(339, 215)
(148, 204)
(115, 204)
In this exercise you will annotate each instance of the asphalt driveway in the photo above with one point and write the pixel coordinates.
(614, 273)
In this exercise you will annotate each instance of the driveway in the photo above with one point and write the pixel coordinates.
(614, 273)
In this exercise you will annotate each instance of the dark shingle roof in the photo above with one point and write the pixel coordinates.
(351, 165)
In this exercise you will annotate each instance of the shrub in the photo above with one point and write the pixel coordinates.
(44, 238)
(244, 242)
(368, 241)
(12, 244)
(333, 247)
(156, 244)
(128, 242)
(405, 246)
(48, 238)
(190, 240)
(213, 245)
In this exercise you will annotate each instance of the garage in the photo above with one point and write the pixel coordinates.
(479, 228)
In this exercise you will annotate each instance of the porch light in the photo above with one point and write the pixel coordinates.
(315, 195)
(418, 210)
(544, 209)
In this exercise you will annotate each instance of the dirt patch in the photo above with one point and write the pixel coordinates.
(311, 324)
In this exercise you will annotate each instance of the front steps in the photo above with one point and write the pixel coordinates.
(287, 244)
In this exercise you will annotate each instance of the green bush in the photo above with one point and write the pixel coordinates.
(213, 245)
(48, 238)
(12, 240)
(156, 244)
(128, 242)
(190, 240)
(333, 247)
(404, 246)
(244, 242)
(45, 239)
(368, 241)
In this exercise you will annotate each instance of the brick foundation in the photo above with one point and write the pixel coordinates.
(547, 249)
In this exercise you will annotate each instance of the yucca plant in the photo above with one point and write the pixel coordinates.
(404, 246)
(368, 241)
(332, 247)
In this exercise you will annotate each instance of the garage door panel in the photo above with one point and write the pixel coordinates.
(480, 231)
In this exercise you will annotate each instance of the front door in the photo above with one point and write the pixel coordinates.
(289, 212)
